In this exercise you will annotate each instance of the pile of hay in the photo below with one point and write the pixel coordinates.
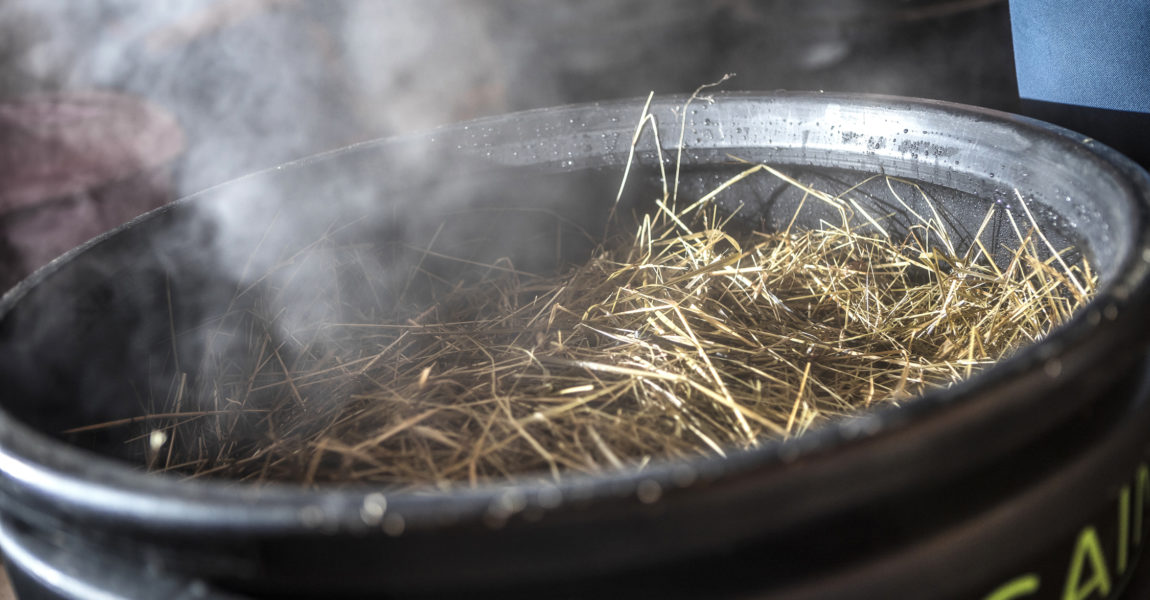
(687, 337)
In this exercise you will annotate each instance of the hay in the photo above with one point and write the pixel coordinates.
(688, 336)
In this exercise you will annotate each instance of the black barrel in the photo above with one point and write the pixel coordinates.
(1027, 480)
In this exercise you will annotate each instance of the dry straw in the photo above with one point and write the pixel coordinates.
(680, 339)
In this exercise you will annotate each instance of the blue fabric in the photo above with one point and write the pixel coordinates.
(1083, 52)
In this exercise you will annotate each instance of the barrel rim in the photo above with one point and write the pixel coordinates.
(46, 475)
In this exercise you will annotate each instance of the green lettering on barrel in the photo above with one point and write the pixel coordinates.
(1023, 585)
(1123, 528)
(1086, 549)
(1141, 491)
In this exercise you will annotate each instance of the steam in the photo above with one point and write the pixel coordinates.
(252, 84)
(256, 83)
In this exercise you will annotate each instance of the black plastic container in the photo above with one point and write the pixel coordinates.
(1024, 480)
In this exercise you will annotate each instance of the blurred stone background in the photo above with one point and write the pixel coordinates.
(191, 93)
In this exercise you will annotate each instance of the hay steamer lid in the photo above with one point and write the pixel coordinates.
(862, 508)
